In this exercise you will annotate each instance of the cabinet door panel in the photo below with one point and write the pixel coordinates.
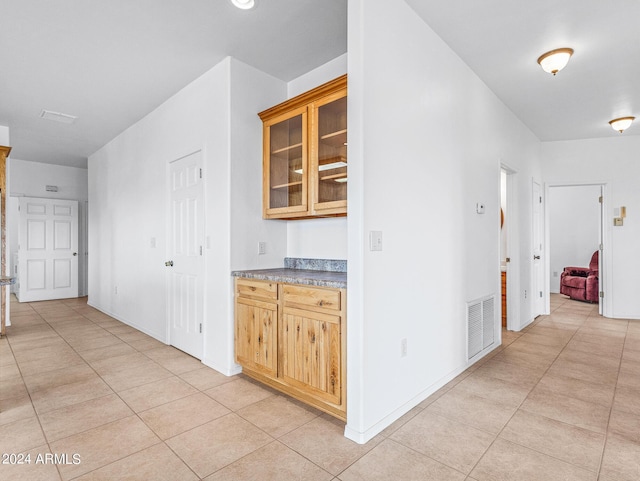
(311, 353)
(256, 335)
(286, 162)
(328, 166)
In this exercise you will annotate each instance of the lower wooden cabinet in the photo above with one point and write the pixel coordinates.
(293, 338)
(503, 283)
(256, 335)
(311, 353)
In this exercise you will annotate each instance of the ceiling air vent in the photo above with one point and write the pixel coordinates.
(58, 117)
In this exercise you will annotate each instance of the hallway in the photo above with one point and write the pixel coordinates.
(559, 401)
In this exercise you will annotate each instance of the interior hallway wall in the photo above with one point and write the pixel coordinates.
(426, 138)
(29, 179)
(128, 201)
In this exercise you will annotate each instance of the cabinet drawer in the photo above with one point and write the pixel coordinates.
(256, 289)
(312, 297)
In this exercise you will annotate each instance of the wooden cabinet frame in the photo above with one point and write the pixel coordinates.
(307, 105)
(311, 340)
(4, 153)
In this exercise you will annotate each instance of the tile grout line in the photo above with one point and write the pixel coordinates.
(615, 389)
(519, 407)
(605, 434)
(101, 378)
(164, 441)
(35, 412)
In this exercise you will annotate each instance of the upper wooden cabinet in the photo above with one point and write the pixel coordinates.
(305, 154)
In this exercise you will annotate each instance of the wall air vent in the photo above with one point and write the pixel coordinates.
(480, 325)
(58, 117)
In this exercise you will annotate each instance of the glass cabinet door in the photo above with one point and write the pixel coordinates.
(329, 158)
(286, 142)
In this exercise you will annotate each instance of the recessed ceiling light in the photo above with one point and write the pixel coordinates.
(244, 4)
(58, 117)
(555, 60)
(621, 124)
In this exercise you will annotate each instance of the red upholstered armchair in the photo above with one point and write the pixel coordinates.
(581, 283)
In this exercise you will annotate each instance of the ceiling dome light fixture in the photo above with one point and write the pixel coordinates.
(621, 124)
(555, 60)
(244, 4)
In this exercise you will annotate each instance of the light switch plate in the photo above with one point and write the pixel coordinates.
(375, 240)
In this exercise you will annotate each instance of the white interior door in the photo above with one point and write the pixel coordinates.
(538, 300)
(47, 249)
(185, 267)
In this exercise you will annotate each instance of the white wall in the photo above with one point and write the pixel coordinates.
(329, 71)
(4, 136)
(127, 184)
(29, 179)
(614, 162)
(426, 141)
(318, 238)
(574, 228)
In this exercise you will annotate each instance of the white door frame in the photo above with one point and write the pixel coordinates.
(513, 249)
(606, 304)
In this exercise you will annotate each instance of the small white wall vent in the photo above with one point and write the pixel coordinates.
(480, 325)
(58, 117)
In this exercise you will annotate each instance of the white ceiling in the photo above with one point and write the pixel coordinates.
(501, 41)
(111, 62)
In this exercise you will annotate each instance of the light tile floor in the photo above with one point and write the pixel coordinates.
(558, 401)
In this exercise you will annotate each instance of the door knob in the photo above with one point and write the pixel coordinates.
(536, 257)
(169, 263)
(75, 253)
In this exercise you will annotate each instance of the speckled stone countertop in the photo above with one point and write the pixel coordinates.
(310, 272)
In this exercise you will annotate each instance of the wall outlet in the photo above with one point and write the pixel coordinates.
(525, 293)
(403, 347)
(262, 248)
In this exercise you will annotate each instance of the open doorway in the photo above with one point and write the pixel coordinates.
(575, 225)
(509, 249)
